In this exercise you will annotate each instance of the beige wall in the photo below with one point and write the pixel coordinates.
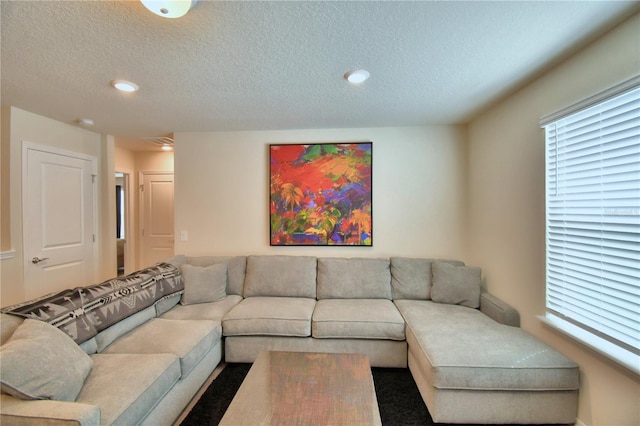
(5, 230)
(221, 191)
(507, 208)
(107, 210)
(147, 161)
(26, 126)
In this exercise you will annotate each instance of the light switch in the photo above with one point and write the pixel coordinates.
(184, 236)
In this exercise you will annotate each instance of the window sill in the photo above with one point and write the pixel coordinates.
(621, 356)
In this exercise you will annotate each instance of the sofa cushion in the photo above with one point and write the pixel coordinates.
(236, 268)
(204, 283)
(109, 335)
(356, 278)
(281, 276)
(456, 285)
(272, 316)
(468, 350)
(411, 278)
(40, 361)
(357, 318)
(189, 340)
(213, 311)
(127, 386)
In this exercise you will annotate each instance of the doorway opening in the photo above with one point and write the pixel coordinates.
(144, 206)
(122, 220)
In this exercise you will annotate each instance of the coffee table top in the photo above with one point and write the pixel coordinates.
(301, 388)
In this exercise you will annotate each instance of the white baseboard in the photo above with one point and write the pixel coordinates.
(580, 423)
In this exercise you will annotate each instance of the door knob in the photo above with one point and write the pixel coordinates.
(38, 260)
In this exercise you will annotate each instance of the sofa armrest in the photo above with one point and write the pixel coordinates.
(498, 310)
(14, 411)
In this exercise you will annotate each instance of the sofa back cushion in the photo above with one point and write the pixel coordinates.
(281, 276)
(412, 278)
(354, 278)
(236, 267)
(122, 327)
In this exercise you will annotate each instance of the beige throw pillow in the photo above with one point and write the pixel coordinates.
(40, 361)
(456, 285)
(204, 284)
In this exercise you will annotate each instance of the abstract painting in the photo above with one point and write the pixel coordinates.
(320, 194)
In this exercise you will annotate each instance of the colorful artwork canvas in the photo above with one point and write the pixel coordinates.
(320, 194)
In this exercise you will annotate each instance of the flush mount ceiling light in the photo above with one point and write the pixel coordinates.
(169, 9)
(356, 76)
(124, 85)
(86, 122)
(167, 147)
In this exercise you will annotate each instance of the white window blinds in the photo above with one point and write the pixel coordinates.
(593, 218)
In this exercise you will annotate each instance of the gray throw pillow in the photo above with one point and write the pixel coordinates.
(456, 285)
(411, 277)
(40, 361)
(204, 284)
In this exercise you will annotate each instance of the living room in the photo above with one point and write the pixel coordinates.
(472, 191)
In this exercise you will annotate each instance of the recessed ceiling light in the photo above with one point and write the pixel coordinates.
(356, 76)
(124, 85)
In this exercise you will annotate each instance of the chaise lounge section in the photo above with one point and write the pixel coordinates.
(471, 369)
(471, 361)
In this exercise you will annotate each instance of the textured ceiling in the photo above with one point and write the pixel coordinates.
(279, 65)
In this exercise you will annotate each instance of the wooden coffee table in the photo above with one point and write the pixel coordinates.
(300, 388)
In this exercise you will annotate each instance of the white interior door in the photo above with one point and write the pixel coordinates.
(59, 219)
(157, 217)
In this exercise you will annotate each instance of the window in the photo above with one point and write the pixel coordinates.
(593, 222)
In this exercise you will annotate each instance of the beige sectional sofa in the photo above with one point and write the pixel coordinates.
(471, 361)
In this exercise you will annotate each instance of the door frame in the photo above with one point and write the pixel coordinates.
(141, 209)
(26, 147)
